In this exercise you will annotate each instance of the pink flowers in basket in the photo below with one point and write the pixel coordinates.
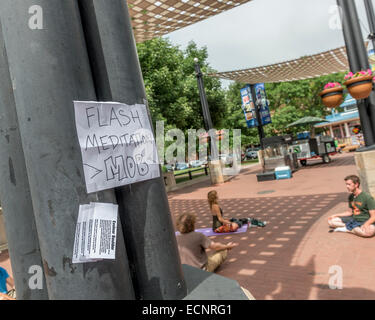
(332, 85)
(358, 74)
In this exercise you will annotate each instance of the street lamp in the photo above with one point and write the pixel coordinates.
(206, 112)
(371, 21)
(216, 171)
(358, 60)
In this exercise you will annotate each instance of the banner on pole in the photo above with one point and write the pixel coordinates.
(248, 105)
(263, 103)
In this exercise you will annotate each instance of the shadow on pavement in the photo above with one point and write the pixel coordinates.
(264, 261)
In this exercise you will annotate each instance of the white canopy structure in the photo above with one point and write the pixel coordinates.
(153, 18)
(306, 67)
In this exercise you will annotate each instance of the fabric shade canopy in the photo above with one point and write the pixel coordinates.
(305, 121)
(153, 18)
(306, 67)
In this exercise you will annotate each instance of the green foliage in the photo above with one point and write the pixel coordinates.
(171, 84)
(289, 101)
(173, 96)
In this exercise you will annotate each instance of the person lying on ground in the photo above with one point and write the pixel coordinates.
(359, 219)
(192, 246)
(222, 225)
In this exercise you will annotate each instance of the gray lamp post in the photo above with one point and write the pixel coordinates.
(371, 21)
(214, 163)
(206, 111)
(358, 60)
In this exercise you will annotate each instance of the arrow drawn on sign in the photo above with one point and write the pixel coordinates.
(96, 170)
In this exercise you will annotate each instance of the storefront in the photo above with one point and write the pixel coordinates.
(343, 125)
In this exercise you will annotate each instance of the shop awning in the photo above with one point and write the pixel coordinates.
(339, 118)
(152, 18)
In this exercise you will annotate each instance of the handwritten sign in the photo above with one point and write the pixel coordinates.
(117, 144)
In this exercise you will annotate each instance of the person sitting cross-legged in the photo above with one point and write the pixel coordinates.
(223, 225)
(360, 217)
(192, 246)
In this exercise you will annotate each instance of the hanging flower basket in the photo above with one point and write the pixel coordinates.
(332, 95)
(359, 84)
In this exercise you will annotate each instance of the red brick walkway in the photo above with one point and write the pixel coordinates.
(291, 257)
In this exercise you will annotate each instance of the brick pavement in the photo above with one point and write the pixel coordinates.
(291, 257)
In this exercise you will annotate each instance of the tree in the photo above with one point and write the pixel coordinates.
(171, 84)
(173, 96)
(289, 101)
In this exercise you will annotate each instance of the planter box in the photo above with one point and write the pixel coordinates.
(332, 97)
(360, 87)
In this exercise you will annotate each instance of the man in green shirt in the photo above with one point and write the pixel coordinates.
(360, 217)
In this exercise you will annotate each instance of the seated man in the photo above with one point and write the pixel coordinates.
(360, 217)
(5, 279)
(192, 246)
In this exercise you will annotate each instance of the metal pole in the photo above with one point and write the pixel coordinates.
(206, 116)
(348, 37)
(259, 118)
(358, 60)
(371, 21)
(49, 69)
(358, 39)
(364, 64)
(16, 202)
(144, 209)
(206, 111)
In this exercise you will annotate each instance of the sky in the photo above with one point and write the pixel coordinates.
(263, 32)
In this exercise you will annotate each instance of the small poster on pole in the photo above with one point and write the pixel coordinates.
(117, 144)
(96, 233)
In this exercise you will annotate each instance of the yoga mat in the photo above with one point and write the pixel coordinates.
(209, 233)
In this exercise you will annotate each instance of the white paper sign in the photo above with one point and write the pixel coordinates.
(81, 247)
(96, 233)
(117, 144)
(103, 243)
